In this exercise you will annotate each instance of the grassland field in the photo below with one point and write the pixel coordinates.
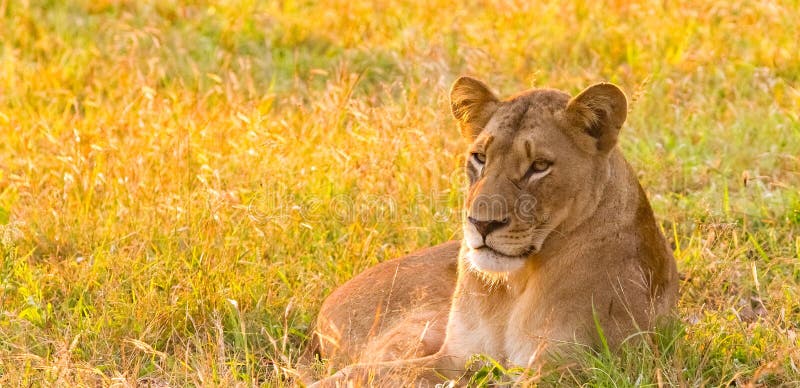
(181, 184)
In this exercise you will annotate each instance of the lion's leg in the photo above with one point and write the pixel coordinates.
(421, 372)
(412, 291)
(418, 335)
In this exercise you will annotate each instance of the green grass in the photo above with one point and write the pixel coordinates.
(182, 185)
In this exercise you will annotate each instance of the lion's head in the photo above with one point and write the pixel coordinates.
(537, 164)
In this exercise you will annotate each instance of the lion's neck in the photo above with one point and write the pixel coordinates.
(616, 197)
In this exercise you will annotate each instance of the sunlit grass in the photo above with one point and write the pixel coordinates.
(181, 185)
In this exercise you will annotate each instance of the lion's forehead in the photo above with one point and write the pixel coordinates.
(531, 110)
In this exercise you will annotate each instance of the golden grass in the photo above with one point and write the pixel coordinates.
(181, 185)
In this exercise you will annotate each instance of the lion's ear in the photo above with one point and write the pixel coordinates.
(473, 104)
(599, 111)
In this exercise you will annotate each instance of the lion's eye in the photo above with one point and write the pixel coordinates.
(538, 169)
(479, 157)
(540, 166)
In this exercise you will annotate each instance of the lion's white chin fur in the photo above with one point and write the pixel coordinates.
(488, 261)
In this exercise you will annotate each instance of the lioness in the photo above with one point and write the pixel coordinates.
(560, 244)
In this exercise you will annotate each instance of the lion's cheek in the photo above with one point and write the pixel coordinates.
(472, 238)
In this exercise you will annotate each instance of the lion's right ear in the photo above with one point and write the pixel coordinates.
(473, 104)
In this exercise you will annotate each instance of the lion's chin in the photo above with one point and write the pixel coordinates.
(490, 261)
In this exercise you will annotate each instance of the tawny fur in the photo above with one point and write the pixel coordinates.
(396, 309)
(587, 250)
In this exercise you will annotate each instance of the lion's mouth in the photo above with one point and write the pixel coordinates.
(524, 255)
(505, 256)
(490, 261)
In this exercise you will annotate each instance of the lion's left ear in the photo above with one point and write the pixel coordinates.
(599, 111)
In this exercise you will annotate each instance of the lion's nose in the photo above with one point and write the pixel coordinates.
(486, 227)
